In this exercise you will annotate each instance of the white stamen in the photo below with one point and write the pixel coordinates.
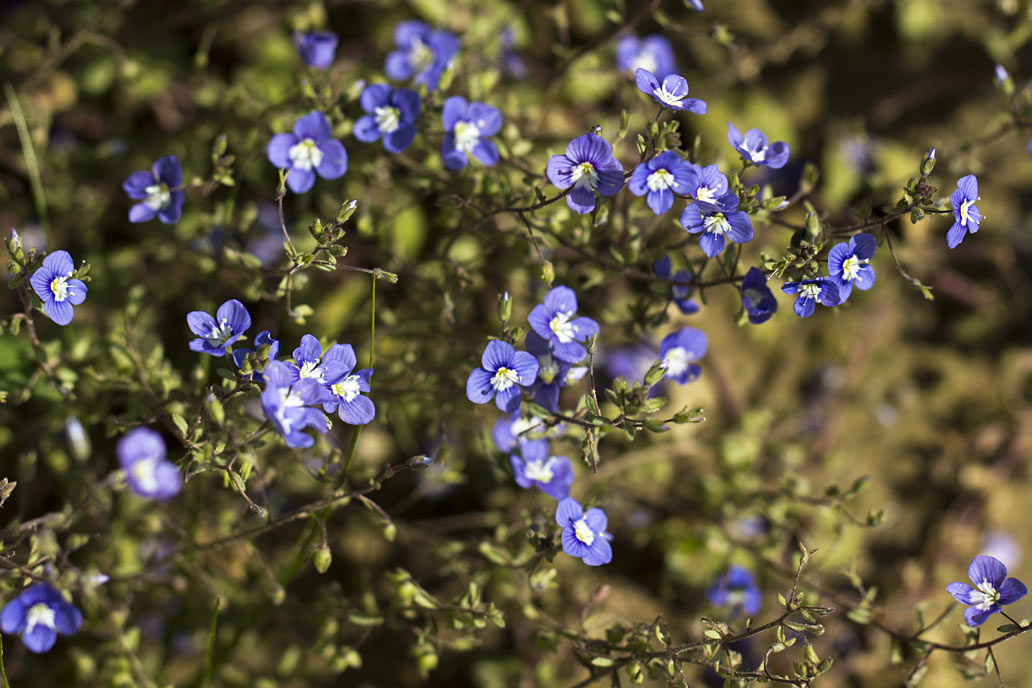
(583, 531)
(387, 118)
(563, 329)
(547, 369)
(705, 194)
(965, 214)
(421, 55)
(59, 287)
(144, 473)
(851, 268)
(716, 224)
(667, 97)
(348, 388)
(661, 179)
(158, 196)
(311, 369)
(541, 471)
(676, 361)
(986, 595)
(39, 614)
(304, 155)
(584, 175)
(504, 378)
(466, 136)
(811, 291)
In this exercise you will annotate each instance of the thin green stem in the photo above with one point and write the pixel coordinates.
(372, 355)
(31, 163)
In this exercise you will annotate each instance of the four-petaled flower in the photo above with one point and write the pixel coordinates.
(735, 589)
(672, 93)
(54, 285)
(992, 589)
(678, 350)
(812, 291)
(158, 190)
(467, 127)
(346, 396)
(552, 372)
(307, 151)
(39, 613)
(266, 344)
(555, 321)
(849, 264)
(390, 113)
(966, 214)
(553, 475)
(662, 177)
(423, 53)
(141, 454)
(584, 532)
(653, 53)
(587, 166)
(308, 361)
(289, 403)
(503, 371)
(215, 335)
(712, 185)
(316, 48)
(679, 293)
(755, 149)
(717, 222)
(757, 299)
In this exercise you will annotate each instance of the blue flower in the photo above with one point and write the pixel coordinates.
(712, 185)
(652, 53)
(735, 589)
(266, 343)
(309, 362)
(554, 321)
(757, 298)
(695, 4)
(503, 371)
(992, 589)
(755, 149)
(672, 93)
(584, 532)
(587, 165)
(661, 177)
(288, 403)
(467, 127)
(346, 396)
(158, 189)
(391, 114)
(307, 151)
(553, 475)
(718, 222)
(850, 264)
(512, 62)
(54, 285)
(423, 53)
(141, 453)
(679, 293)
(678, 350)
(810, 292)
(552, 372)
(316, 49)
(966, 214)
(39, 613)
(516, 430)
(215, 335)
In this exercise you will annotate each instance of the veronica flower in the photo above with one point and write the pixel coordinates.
(992, 589)
(309, 362)
(307, 151)
(712, 185)
(679, 293)
(717, 222)
(346, 390)
(755, 149)
(672, 93)
(159, 191)
(757, 298)
(288, 404)
(735, 589)
(317, 48)
(587, 166)
(966, 214)
(39, 613)
(503, 371)
(678, 350)
(849, 264)
(54, 285)
(553, 475)
(215, 335)
(391, 114)
(812, 291)
(552, 372)
(554, 320)
(652, 53)
(584, 532)
(661, 177)
(515, 430)
(266, 344)
(422, 53)
(141, 454)
(467, 127)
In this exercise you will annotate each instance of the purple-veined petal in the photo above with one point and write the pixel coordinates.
(600, 552)
(168, 170)
(59, 311)
(1012, 590)
(313, 126)
(334, 162)
(989, 569)
(567, 511)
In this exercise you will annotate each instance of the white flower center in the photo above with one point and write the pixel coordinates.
(986, 595)
(851, 268)
(59, 287)
(667, 97)
(144, 472)
(524, 424)
(644, 60)
(661, 179)
(347, 389)
(583, 531)
(811, 291)
(466, 136)
(562, 328)
(758, 154)
(387, 118)
(716, 224)
(504, 378)
(676, 361)
(705, 194)
(220, 333)
(39, 614)
(575, 374)
(584, 175)
(541, 471)
(547, 369)
(304, 155)
(965, 215)
(158, 196)
(288, 399)
(310, 369)
(421, 55)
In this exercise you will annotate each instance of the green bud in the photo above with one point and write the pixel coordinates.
(504, 307)
(655, 373)
(322, 558)
(928, 164)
